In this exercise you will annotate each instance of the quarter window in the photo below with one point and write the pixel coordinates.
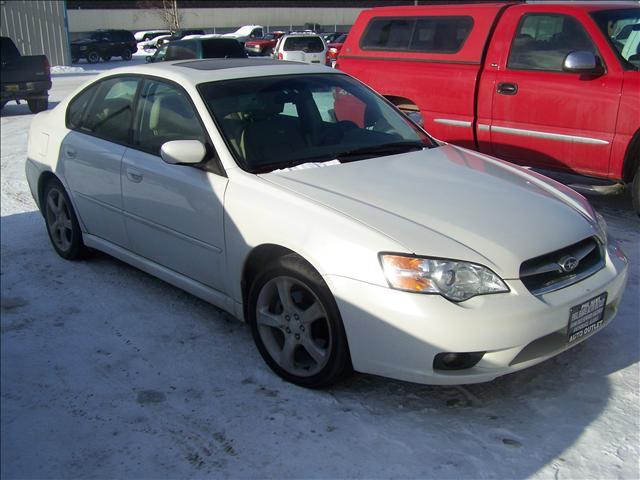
(110, 113)
(78, 107)
(165, 114)
(422, 34)
(543, 41)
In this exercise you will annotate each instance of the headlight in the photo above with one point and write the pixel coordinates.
(454, 280)
(601, 227)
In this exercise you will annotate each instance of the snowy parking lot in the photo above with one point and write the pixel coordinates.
(108, 372)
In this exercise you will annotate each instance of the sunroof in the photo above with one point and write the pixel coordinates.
(222, 63)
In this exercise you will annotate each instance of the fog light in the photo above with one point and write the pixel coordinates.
(456, 361)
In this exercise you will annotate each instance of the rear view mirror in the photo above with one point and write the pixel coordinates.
(582, 62)
(183, 152)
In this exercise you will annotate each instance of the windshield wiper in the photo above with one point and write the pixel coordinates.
(379, 151)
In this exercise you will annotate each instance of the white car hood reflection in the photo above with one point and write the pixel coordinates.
(435, 201)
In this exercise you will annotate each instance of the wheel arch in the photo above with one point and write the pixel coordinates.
(631, 158)
(257, 259)
(45, 178)
(403, 103)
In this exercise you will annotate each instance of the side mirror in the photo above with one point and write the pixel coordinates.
(149, 59)
(582, 62)
(183, 152)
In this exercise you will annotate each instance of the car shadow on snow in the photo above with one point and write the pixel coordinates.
(12, 109)
(366, 426)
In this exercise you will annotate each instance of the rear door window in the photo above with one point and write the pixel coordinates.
(304, 44)
(542, 42)
(78, 107)
(110, 113)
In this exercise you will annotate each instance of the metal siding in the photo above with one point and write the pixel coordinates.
(37, 27)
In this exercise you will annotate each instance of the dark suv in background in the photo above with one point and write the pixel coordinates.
(104, 44)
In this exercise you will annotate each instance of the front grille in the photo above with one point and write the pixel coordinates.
(545, 273)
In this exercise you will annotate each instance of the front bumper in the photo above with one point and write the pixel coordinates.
(398, 334)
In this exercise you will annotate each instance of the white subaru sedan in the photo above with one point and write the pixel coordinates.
(300, 201)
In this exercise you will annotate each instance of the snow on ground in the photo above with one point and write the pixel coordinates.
(108, 372)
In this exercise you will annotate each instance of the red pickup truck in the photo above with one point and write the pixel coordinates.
(554, 86)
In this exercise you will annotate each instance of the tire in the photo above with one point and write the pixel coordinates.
(302, 338)
(106, 58)
(61, 221)
(126, 54)
(635, 192)
(268, 52)
(74, 59)
(93, 57)
(38, 104)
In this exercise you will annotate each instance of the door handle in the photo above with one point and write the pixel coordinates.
(507, 88)
(69, 152)
(134, 175)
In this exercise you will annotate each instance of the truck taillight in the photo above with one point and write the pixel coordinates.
(47, 67)
(280, 57)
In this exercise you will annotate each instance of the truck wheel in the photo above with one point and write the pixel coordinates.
(93, 57)
(38, 104)
(106, 58)
(75, 59)
(126, 54)
(268, 52)
(635, 192)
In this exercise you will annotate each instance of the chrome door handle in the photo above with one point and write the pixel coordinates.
(134, 175)
(69, 152)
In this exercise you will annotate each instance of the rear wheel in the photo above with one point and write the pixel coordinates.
(126, 54)
(93, 57)
(62, 223)
(106, 58)
(38, 104)
(296, 324)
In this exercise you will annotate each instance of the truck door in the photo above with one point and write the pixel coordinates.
(543, 116)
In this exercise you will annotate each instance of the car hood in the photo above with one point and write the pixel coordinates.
(450, 202)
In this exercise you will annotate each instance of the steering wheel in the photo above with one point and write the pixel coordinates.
(335, 132)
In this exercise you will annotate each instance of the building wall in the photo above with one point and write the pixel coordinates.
(37, 27)
(222, 19)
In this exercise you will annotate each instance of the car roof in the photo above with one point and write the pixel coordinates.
(195, 72)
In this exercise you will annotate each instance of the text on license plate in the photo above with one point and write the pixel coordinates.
(586, 317)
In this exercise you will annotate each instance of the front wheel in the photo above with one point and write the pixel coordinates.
(38, 104)
(126, 54)
(296, 324)
(268, 52)
(635, 192)
(62, 223)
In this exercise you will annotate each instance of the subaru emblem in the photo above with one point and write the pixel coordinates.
(568, 263)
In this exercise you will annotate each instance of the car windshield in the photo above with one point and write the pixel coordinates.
(622, 29)
(341, 39)
(305, 44)
(281, 121)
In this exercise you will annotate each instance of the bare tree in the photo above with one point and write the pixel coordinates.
(167, 10)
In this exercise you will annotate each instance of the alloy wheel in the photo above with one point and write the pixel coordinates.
(293, 326)
(59, 219)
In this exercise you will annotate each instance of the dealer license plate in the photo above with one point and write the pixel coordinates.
(586, 318)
